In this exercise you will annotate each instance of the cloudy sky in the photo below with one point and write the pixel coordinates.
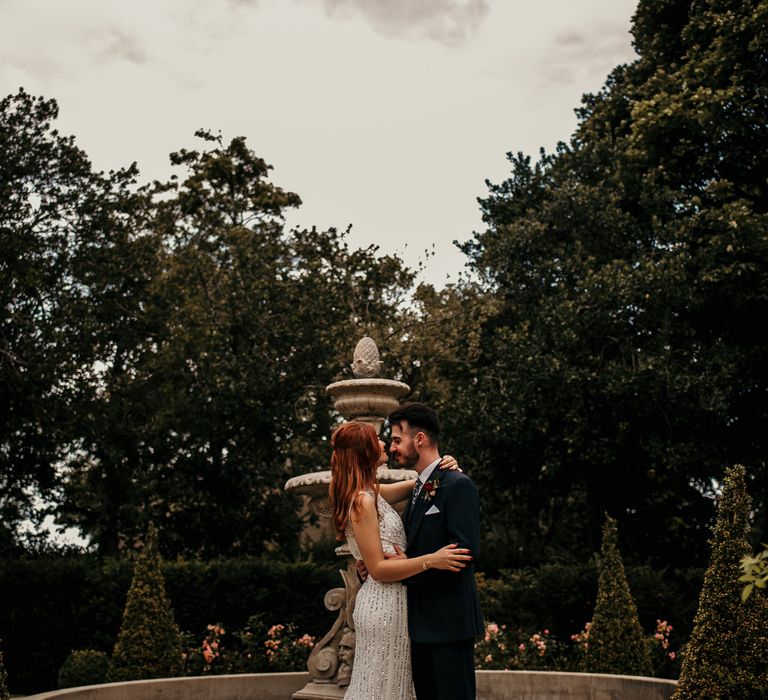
(385, 114)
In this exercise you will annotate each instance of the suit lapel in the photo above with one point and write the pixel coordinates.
(421, 507)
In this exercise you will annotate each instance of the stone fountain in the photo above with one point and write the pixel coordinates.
(370, 399)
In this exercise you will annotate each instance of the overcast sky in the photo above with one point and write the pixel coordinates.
(385, 114)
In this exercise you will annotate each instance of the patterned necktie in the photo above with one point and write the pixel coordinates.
(415, 495)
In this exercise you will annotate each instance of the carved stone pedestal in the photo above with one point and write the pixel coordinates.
(315, 691)
(320, 691)
(330, 662)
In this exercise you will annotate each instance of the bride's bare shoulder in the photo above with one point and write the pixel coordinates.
(362, 504)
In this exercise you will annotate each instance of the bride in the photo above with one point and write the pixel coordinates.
(362, 513)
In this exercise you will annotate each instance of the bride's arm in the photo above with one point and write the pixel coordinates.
(366, 530)
(394, 493)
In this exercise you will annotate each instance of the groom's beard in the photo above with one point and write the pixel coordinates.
(406, 461)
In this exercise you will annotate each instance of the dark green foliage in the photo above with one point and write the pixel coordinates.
(164, 345)
(149, 643)
(256, 648)
(561, 597)
(60, 603)
(616, 643)
(64, 297)
(223, 398)
(3, 680)
(84, 667)
(608, 357)
(727, 656)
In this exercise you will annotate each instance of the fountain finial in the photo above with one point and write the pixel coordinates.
(366, 362)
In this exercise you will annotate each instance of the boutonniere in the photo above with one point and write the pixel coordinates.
(430, 488)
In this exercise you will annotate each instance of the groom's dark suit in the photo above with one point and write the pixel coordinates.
(443, 610)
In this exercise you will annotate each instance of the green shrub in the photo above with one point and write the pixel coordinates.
(616, 643)
(84, 667)
(149, 644)
(726, 657)
(286, 650)
(254, 649)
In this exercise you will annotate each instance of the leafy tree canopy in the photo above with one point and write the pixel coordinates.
(617, 362)
(166, 347)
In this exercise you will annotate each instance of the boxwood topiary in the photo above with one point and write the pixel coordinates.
(83, 667)
(726, 656)
(149, 644)
(616, 643)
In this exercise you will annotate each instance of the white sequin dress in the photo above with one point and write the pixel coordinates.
(382, 665)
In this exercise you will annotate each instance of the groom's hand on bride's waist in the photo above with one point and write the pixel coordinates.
(362, 572)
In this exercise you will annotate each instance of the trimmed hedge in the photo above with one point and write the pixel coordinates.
(561, 597)
(54, 604)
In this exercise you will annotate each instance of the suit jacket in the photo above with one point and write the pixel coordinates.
(443, 605)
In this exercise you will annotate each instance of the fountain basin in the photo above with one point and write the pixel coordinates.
(243, 686)
(368, 400)
(491, 685)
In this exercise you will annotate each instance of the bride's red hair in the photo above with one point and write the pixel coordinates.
(356, 451)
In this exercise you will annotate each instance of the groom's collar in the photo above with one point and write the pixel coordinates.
(428, 471)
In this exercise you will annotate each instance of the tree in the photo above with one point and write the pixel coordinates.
(616, 643)
(726, 656)
(61, 228)
(619, 367)
(222, 397)
(149, 644)
(164, 349)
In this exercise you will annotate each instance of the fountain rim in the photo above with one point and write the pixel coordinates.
(372, 383)
(307, 484)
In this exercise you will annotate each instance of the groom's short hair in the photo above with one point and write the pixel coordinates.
(419, 416)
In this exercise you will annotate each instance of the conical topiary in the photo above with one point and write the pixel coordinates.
(727, 656)
(616, 643)
(4, 695)
(149, 643)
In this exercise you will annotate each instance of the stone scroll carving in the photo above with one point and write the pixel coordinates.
(331, 659)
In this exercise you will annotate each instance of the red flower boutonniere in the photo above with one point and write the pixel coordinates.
(430, 488)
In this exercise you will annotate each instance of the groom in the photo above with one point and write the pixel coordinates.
(443, 611)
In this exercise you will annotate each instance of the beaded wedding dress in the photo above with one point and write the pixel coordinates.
(382, 665)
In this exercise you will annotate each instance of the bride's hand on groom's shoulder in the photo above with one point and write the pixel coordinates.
(448, 462)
